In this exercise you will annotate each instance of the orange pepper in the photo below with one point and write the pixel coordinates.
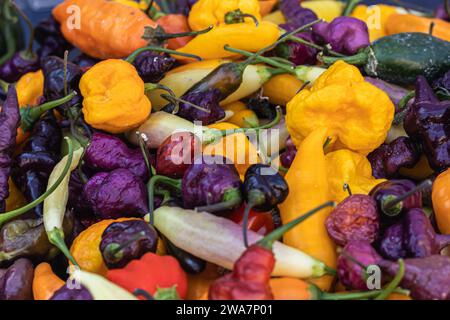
(290, 289)
(85, 247)
(199, 284)
(441, 201)
(105, 29)
(30, 88)
(266, 6)
(45, 282)
(281, 88)
(175, 23)
(400, 23)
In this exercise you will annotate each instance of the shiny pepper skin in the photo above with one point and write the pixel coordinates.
(428, 122)
(118, 233)
(114, 97)
(205, 13)
(354, 219)
(152, 66)
(17, 66)
(341, 101)
(116, 194)
(249, 279)
(106, 153)
(30, 88)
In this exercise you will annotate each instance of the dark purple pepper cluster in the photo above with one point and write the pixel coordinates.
(20, 63)
(288, 156)
(152, 66)
(51, 40)
(389, 158)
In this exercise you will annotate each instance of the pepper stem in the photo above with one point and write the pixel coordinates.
(10, 43)
(231, 199)
(30, 115)
(267, 241)
(143, 293)
(346, 187)
(405, 100)
(389, 203)
(5, 217)
(254, 198)
(351, 5)
(237, 16)
(29, 24)
(56, 237)
(174, 183)
(358, 59)
(133, 56)
(113, 248)
(176, 101)
(394, 283)
(142, 140)
(315, 46)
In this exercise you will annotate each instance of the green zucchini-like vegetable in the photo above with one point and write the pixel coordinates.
(401, 58)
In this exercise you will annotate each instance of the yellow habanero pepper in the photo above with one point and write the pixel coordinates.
(375, 17)
(30, 88)
(114, 96)
(235, 147)
(356, 113)
(325, 9)
(308, 188)
(241, 115)
(345, 166)
(131, 3)
(205, 13)
(244, 36)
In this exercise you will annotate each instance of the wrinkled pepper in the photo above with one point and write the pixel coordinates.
(308, 187)
(114, 96)
(345, 166)
(211, 45)
(105, 29)
(341, 101)
(205, 13)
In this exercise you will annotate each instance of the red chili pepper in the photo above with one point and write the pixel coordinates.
(251, 274)
(260, 222)
(151, 273)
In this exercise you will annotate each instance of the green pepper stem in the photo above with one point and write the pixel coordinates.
(267, 241)
(186, 34)
(394, 283)
(30, 115)
(176, 101)
(231, 199)
(11, 45)
(391, 203)
(113, 249)
(351, 5)
(358, 59)
(274, 122)
(237, 16)
(173, 98)
(315, 46)
(142, 140)
(174, 183)
(405, 100)
(56, 237)
(5, 217)
(29, 24)
(254, 198)
(133, 56)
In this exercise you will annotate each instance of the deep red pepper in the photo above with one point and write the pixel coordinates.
(259, 222)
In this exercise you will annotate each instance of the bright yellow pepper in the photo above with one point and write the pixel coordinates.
(114, 96)
(30, 88)
(345, 166)
(242, 116)
(245, 36)
(281, 88)
(235, 147)
(325, 9)
(308, 188)
(131, 3)
(205, 13)
(356, 114)
(375, 17)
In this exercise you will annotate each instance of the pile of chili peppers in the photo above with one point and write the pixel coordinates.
(225, 150)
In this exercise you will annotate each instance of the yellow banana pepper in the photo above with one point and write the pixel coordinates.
(345, 166)
(356, 114)
(308, 188)
(375, 17)
(245, 36)
(325, 9)
(114, 96)
(205, 13)
(281, 88)
(30, 88)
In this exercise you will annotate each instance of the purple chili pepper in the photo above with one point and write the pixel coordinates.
(69, 293)
(116, 194)
(413, 237)
(426, 278)
(52, 42)
(211, 181)
(19, 64)
(9, 122)
(152, 66)
(346, 35)
(288, 156)
(200, 106)
(351, 274)
(295, 14)
(428, 122)
(389, 158)
(107, 153)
